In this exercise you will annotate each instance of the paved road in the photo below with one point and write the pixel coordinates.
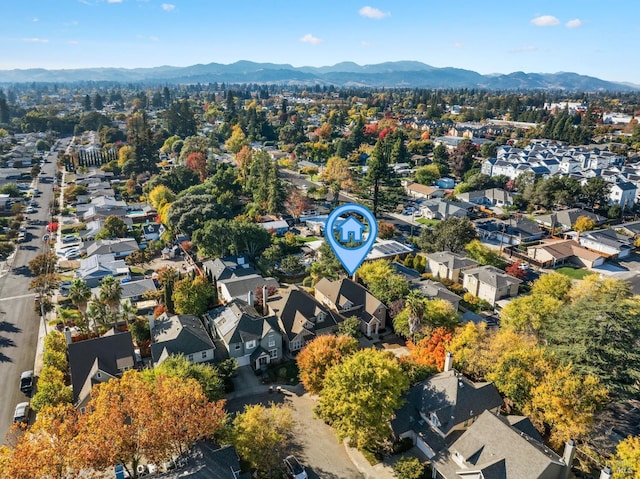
(19, 323)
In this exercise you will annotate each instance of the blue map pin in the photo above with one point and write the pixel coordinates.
(350, 230)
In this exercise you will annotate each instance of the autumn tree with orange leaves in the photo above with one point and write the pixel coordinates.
(321, 354)
(431, 350)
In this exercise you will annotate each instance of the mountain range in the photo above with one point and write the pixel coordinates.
(400, 74)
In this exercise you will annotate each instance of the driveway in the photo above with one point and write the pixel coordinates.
(315, 443)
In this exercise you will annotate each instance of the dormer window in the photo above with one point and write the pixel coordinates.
(347, 305)
(321, 316)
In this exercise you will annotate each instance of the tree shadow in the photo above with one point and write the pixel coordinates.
(320, 473)
(8, 327)
(23, 271)
(5, 359)
(7, 342)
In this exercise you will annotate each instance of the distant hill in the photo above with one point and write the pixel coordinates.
(408, 74)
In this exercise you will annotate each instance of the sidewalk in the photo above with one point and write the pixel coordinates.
(377, 471)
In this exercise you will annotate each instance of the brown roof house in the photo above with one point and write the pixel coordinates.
(301, 317)
(349, 298)
(490, 283)
(502, 448)
(554, 252)
(438, 407)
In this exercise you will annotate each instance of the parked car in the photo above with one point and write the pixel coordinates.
(21, 414)
(70, 239)
(26, 381)
(294, 469)
(72, 254)
(30, 210)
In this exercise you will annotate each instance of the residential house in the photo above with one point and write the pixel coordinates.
(94, 213)
(490, 283)
(417, 190)
(436, 290)
(556, 252)
(135, 290)
(249, 337)
(623, 193)
(349, 298)
(119, 247)
(153, 231)
(440, 209)
(512, 231)
(565, 219)
(301, 317)
(606, 242)
(173, 334)
(502, 447)
(98, 360)
(95, 268)
(277, 227)
(387, 249)
(631, 229)
(441, 406)
(489, 197)
(409, 274)
(445, 264)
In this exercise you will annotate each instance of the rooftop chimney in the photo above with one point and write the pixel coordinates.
(568, 455)
(250, 298)
(67, 335)
(152, 324)
(448, 362)
(605, 473)
(265, 293)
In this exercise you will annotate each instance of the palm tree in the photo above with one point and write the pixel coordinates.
(110, 294)
(128, 310)
(80, 294)
(416, 307)
(99, 313)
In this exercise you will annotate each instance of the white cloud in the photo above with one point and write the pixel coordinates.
(308, 38)
(35, 40)
(153, 38)
(545, 21)
(575, 23)
(168, 7)
(366, 44)
(371, 12)
(35, 19)
(526, 48)
(114, 1)
(458, 45)
(73, 42)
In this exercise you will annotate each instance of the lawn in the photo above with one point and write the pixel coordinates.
(574, 273)
(307, 239)
(427, 221)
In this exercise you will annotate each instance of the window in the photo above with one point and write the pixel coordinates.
(204, 354)
(321, 316)
(191, 358)
(99, 375)
(273, 353)
(237, 347)
(272, 342)
(251, 344)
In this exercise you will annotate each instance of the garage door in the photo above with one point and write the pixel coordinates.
(244, 360)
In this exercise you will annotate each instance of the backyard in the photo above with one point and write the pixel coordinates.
(574, 273)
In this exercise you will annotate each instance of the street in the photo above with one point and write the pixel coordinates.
(19, 323)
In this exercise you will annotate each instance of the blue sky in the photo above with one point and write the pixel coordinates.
(501, 36)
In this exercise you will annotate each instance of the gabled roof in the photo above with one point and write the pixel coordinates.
(133, 289)
(435, 289)
(454, 398)
(453, 261)
(300, 313)
(238, 322)
(344, 292)
(227, 268)
(101, 265)
(112, 352)
(492, 276)
(497, 450)
(179, 334)
(566, 218)
(119, 245)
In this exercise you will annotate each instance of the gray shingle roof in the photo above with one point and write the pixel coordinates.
(492, 276)
(238, 322)
(179, 334)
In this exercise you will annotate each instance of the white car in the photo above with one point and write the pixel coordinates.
(294, 469)
(21, 413)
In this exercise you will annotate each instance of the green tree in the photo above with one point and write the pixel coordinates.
(111, 293)
(113, 227)
(553, 284)
(530, 314)
(80, 294)
(223, 237)
(483, 254)
(427, 174)
(626, 464)
(408, 468)
(180, 367)
(51, 390)
(327, 266)
(262, 437)
(452, 234)
(379, 176)
(350, 327)
(596, 192)
(192, 296)
(381, 280)
(360, 396)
